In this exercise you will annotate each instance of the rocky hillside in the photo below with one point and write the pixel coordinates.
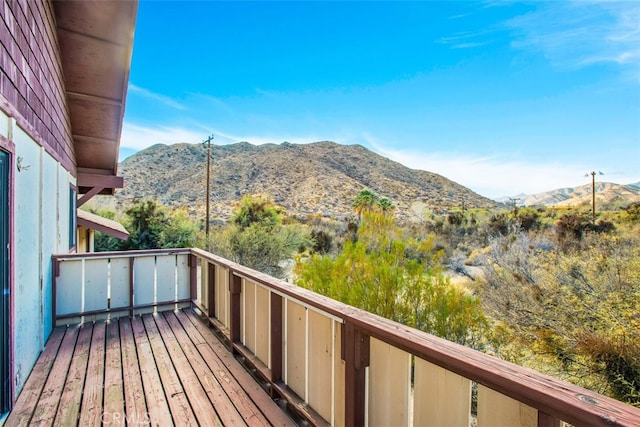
(608, 195)
(320, 178)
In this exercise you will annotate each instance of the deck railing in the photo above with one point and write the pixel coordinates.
(92, 286)
(330, 363)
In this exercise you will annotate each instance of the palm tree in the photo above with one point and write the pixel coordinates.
(385, 205)
(365, 202)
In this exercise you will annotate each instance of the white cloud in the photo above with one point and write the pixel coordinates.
(156, 97)
(491, 176)
(579, 33)
(137, 137)
(465, 39)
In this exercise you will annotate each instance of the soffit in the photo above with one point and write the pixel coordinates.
(96, 42)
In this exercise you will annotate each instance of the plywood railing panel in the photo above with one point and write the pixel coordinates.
(389, 385)
(144, 269)
(183, 276)
(222, 295)
(203, 286)
(263, 323)
(96, 284)
(69, 287)
(339, 375)
(248, 319)
(496, 409)
(321, 354)
(165, 278)
(440, 396)
(119, 273)
(296, 351)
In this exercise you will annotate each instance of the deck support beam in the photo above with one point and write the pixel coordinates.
(88, 195)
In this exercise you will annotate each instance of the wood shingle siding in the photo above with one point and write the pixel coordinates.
(31, 76)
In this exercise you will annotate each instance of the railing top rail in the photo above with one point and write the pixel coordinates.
(278, 286)
(552, 396)
(122, 254)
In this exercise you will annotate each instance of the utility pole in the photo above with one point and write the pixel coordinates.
(206, 224)
(513, 201)
(593, 194)
(593, 197)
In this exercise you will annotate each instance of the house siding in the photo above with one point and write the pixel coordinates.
(35, 126)
(31, 77)
(41, 228)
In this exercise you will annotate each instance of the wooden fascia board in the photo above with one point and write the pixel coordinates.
(97, 180)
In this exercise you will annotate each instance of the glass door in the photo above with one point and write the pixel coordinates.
(4, 285)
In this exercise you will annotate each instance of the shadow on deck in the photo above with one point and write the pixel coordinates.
(151, 369)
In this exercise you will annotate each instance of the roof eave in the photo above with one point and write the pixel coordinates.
(96, 45)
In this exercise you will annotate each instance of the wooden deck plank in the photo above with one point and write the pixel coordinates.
(152, 369)
(69, 407)
(257, 396)
(30, 394)
(134, 398)
(178, 404)
(202, 408)
(113, 411)
(225, 408)
(241, 400)
(91, 414)
(45, 412)
(157, 406)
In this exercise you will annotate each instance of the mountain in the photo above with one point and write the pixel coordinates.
(608, 195)
(320, 178)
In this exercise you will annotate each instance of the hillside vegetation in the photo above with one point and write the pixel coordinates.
(547, 287)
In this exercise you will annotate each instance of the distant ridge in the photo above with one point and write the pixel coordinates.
(319, 178)
(608, 195)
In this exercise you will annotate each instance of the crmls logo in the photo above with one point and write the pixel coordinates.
(109, 418)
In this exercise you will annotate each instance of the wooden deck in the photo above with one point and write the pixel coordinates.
(159, 369)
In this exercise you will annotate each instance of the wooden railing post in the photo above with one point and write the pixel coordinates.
(276, 337)
(54, 296)
(131, 294)
(235, 288)
(193, 278)
(546, 420)
(355, 349)
(211, 290)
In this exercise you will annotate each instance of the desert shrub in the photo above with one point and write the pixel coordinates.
(571, 313)
(396, 277)
(322, 241)
(260, 237)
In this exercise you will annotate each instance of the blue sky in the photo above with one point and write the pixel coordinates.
(502, 97)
